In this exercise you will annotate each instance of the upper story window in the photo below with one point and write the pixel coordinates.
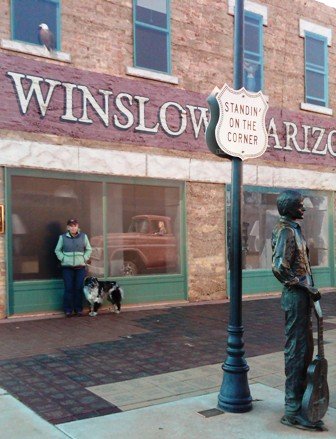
(255, 17)
(316, 70)
(27, 15)
(317, 39)
(152, 35)
(253, 51)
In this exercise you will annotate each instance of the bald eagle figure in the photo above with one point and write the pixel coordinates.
(46, 37)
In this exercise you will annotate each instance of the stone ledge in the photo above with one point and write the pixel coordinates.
(32, 49)
(149, 74)
(316, 109)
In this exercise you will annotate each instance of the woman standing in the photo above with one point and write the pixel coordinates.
(73, 251)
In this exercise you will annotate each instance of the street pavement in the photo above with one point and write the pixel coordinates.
(148, 372)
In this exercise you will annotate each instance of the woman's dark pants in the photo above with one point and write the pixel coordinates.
(73, 289)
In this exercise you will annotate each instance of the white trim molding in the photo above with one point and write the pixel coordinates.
(250, 6)
(32, 49)
(308, 26)
(316, 108)
(149, 74)
(67, 158)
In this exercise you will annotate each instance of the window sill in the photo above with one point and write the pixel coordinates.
(31, 49)
(316, 108)
(149, 74)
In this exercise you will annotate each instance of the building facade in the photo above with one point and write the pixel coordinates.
(109, 126)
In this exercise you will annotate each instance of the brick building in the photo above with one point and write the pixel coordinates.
(110, 125)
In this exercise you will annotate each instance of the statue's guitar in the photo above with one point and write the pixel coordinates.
(316, 397)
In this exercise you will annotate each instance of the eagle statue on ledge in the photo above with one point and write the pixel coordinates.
(46, 37)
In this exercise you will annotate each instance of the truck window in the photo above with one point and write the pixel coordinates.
(139, 226)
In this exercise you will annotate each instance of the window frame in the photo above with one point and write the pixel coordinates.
(25, 295)
(309, 67)
(261, 279)
(260, 55)
(166, 31)
(58, 23)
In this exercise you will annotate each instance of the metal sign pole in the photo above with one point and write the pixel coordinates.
(235, 394)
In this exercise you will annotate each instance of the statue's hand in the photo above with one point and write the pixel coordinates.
(314, 293)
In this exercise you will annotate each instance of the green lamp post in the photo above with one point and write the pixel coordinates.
(236, 131)
(234, 393)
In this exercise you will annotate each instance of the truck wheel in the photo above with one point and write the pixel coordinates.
(129, 268)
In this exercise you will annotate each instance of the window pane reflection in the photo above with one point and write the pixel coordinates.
(28, 14)
(151, 49)
(252, 37)
(315, 228)
(315, 85)
(259, 216)
(142, 222)
(40, 209)
(143, 231)
(315, 51)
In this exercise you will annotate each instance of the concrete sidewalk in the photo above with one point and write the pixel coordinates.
(19, 422)
(184, 419)
(179, 404)
(151, 378)
(170, 405)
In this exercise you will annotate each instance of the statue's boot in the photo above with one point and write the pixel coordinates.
(298, 421)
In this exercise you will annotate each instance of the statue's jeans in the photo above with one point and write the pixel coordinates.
(299, 346)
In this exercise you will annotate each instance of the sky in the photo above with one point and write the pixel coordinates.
(328, 2)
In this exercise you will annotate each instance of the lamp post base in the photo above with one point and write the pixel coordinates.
(235, 396)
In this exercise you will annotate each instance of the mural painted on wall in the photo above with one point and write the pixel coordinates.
(41, 97)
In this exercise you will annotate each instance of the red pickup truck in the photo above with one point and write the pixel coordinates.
(148, 246)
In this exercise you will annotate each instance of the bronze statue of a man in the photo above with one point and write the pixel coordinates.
(291, 266)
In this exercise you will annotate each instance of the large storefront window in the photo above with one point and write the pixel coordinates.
(259, 216)
(134, 229)
(40, 209)
(142, 231)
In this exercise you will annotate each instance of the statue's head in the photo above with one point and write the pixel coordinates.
(290, 204)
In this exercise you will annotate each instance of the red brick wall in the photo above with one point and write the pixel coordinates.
(99, 36)
(305, 150)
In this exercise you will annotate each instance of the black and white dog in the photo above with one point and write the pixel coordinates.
(92, 293)
(113, 292)
(96, 291)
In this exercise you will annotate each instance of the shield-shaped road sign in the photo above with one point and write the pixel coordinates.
(241, 130)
